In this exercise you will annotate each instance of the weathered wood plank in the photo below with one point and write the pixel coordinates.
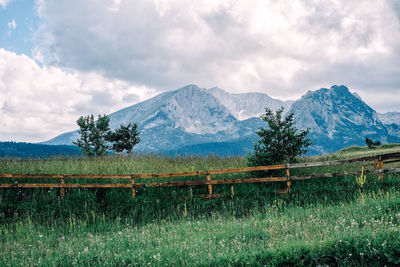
(249, 180)
(395, 156)
(213, 182)
(314, 164)
(201, 182)
(99, 176)
(391, 161)
(166, 175)
(23, 185)
(337, 162)
(39, 176)
(330, 175)
(390, 156)
(59, 176)
(323, 175)
(221, 171)
(248, 169)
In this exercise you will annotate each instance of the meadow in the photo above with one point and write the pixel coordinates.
(328, 221)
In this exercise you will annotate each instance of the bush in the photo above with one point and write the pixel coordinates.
(371, 144)
(281, 142)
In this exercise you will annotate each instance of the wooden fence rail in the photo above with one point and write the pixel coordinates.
(378, 162)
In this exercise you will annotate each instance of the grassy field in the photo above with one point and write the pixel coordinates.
(322, 222)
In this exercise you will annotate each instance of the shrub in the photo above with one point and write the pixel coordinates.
(281, 142)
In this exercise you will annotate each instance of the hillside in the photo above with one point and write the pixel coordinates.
(180, 118)
(337, 118)
(193, 120)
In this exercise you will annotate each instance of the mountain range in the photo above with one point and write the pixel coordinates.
(193, 120)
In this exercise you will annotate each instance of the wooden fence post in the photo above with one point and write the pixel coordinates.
(62, 190)
(133, 186)
(288, 181)
(208, 178)
(380, 167)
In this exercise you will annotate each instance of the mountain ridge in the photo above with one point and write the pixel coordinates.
(338, 118)
(192, 117)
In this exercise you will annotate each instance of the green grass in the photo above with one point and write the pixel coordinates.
(322, 222)
(355, 151)
(344, 234)
(119, 164)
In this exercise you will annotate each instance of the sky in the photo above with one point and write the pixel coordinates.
(60, 59)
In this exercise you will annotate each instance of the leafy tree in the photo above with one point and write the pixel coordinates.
(124, 138)
(281, 142)
(371, 144)
(94, 135)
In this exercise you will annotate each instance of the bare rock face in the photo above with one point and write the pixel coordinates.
(247, 105)
(184, 117)
(338, 119)
(193, 120)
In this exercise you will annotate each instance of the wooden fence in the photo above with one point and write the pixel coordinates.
(378, 163)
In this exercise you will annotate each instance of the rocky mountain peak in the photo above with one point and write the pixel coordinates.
(190, 108)
(193, 118)
(247, 105)
(340, 89)
(338, 115)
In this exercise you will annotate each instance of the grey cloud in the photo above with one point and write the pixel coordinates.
(6, 108)
(281, 48)
(396, 7)
(132, 98)
(103, 98)
(99, 102)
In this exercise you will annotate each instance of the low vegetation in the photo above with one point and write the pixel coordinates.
(280, 142)
(330, 221)
(97, 139)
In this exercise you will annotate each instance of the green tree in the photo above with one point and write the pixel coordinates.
(371, 144)
(281, 142)
(93, 135)
(124, 138)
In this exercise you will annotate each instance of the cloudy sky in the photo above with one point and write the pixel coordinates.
(60, 59)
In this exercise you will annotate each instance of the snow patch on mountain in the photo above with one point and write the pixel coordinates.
(247, 105)
(337, 118)
(194, 118)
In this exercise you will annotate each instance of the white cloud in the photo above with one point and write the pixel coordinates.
(99, 56)
(37, 103)
(282, 48)
(3, 3)
(11, 26)
(382, 100)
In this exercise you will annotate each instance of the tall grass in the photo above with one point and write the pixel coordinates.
(340, 234)
(119, 164)
(322, 221)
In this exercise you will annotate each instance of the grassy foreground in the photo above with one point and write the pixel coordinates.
(322, 222)
(346, 234)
